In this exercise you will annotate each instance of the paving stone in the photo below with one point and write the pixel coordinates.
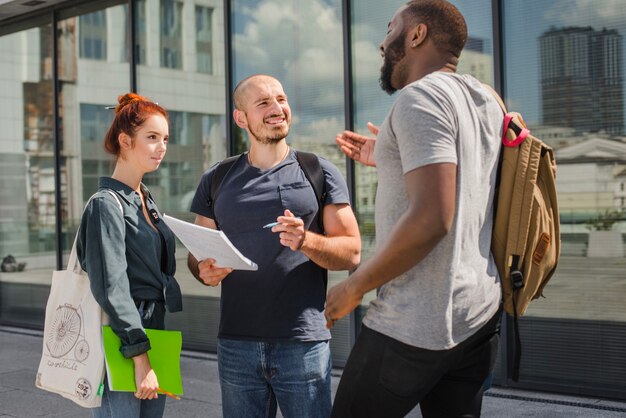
(30, 404)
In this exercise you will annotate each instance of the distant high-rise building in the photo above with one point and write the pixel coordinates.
(582, 80)
(475, 44)
(477, 60)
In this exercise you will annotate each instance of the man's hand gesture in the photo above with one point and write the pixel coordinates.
(358, 147)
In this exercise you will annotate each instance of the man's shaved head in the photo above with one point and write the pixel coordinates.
(239, 95)
(262, 109)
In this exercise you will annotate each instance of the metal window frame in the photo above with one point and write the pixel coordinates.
(348, 94)
(228, 78)
(507, 344)
(57, 144)
(56, 90)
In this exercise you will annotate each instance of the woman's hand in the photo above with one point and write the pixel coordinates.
(145, 378)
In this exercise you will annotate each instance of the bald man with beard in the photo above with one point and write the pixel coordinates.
(273, 344)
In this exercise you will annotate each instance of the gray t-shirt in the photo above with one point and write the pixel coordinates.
(450, 294)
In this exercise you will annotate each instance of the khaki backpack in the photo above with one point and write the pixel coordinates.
(526, 240)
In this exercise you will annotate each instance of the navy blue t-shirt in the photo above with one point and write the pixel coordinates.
(285, 298)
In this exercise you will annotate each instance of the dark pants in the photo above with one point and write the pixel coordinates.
(386, 378)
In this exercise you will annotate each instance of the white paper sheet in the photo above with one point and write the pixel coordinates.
(206, 243)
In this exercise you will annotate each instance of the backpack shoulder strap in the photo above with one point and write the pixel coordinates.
(218, 176)
(312, 169)
(496, 96)
(513, 120)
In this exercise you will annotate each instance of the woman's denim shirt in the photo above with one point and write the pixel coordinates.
(123, 259)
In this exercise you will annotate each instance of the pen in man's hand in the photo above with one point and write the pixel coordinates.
(170, 394)
(273, 224)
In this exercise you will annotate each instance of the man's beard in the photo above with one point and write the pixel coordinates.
(272, 138)
(394, 53)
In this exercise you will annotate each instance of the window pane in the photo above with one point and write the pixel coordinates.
(204, 39)
(94, 123)
(140, 31)
(93, 34)
(27, 199)
(195, 100)
(274, 37)
(369, 26)
(87, 85)
(299, 43)
(171, 34)
(564, 73)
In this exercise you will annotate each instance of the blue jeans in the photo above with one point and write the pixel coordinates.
(257, 377)
(125, 405)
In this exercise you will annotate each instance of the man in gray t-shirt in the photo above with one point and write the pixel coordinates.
(431, 335)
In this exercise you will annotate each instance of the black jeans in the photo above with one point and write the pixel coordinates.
(386, 378)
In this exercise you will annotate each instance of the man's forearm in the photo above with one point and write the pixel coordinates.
(192, 264)
(332, 253)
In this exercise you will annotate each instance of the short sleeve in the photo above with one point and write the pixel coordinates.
(424, 123)
(336, 187)
(200, 203)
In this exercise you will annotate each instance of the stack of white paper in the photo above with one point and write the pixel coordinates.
(206, 243)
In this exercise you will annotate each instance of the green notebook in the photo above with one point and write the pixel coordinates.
(164, 358)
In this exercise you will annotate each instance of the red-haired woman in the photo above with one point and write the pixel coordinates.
(128, 252)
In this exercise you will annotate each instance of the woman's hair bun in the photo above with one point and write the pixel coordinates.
(128, 99)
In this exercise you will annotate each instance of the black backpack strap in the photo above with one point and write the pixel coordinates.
(310, 165)
(517, 360)
(219, 174)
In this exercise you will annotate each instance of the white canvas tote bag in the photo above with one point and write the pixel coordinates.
(72, 360)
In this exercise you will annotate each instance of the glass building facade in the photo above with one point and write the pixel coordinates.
(560, 63)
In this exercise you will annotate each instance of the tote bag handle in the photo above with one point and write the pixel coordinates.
(72, 262)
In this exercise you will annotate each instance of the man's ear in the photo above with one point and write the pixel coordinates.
(418, 35)
(125, 141)
(240, 118)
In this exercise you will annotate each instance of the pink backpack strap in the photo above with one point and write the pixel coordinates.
(508, 118)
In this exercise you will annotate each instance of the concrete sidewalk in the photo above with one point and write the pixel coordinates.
(20, 352)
